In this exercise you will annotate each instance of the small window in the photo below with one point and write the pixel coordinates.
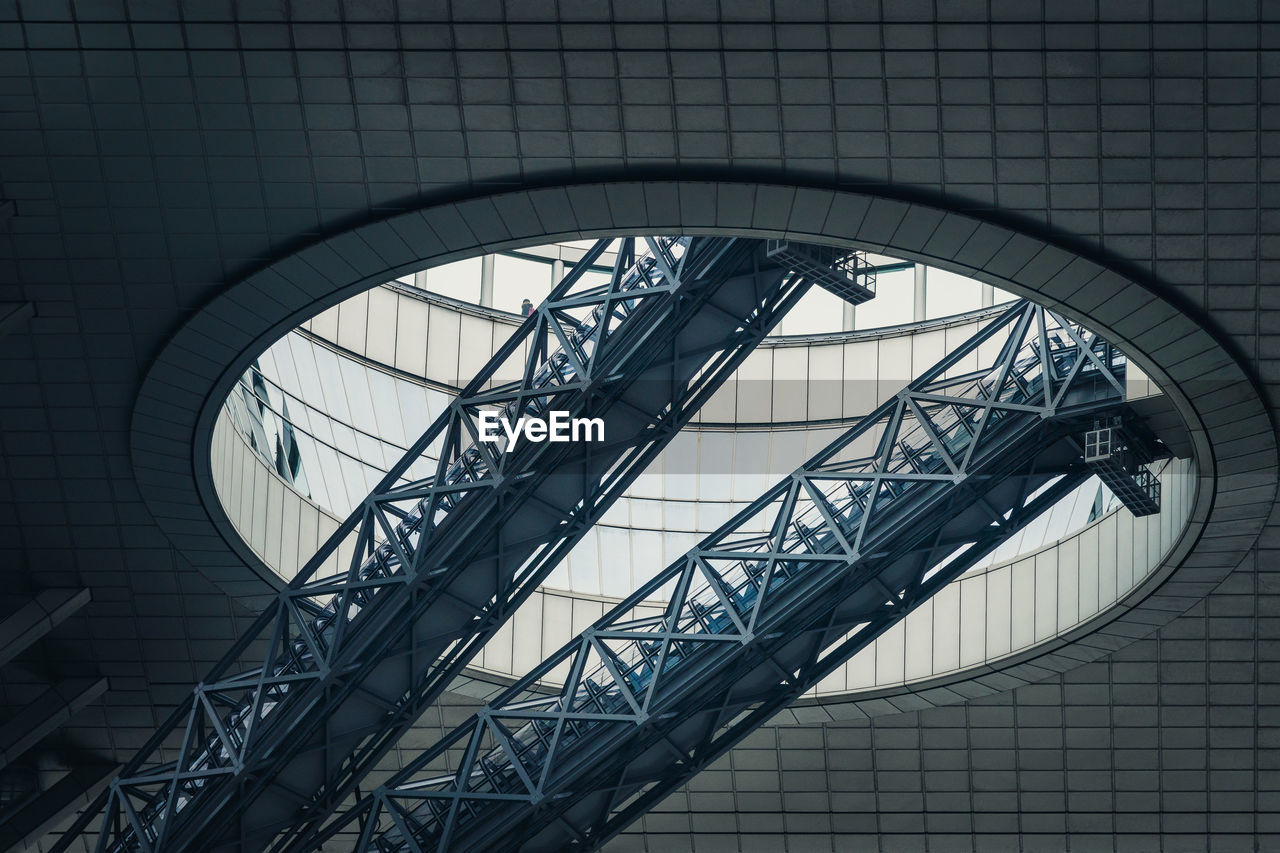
(1097, 444)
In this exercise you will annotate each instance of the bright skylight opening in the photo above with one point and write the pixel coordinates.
(905, 292)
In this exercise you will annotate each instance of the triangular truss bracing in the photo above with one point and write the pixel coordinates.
(457, 534)
(961, 458)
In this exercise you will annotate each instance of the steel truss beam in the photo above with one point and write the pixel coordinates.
(459, 532)
(46, 610)
(766, 606)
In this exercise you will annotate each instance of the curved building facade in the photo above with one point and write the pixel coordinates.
(324, 413)
(251, 253)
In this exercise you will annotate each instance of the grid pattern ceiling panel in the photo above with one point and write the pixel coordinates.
(156, 151)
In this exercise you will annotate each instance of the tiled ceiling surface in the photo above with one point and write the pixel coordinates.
(156, 152)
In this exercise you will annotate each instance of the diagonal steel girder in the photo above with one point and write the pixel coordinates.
(760, 610)
(418, 577)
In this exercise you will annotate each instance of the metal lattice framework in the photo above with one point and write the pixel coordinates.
(408, 589)
(763, 608)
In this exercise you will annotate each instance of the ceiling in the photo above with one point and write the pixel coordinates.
(155, 154)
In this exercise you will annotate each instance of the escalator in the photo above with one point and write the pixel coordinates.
(429, 567)
(773, 601)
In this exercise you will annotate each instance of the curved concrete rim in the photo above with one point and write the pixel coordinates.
(1231, 431)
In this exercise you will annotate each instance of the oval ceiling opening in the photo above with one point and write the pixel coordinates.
(321, 416)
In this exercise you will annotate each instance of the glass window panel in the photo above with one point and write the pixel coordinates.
(594, 278)
(892, 305)
(946, 628)
(818, 312)
(584, 567)
(674, 546)
(1088, 596)
(1046, 594)
(369, 451)
(646, 513)
(973, 620)
(1033, 534)
(790, 384)
(332, 391)
(267, 365)
(1068, 583)
(386, 408)
(616, 573)
(948, 293)
(754, 377)
(955, 336)
(680, 461)
(321, 426)
(353, 317)
(715, 465)
(437, 402)
(1142, 558)
(458, 280)
(890, 655)
(826, 368)
(325, 324)
(517, 279)
(860, 389)
(998, 611)
(314, 468)
(414, 414)
(648, 554)
(1023, 603)
(787, 452)
(477, 335)
(380, 345)
(1108, 564)
(355, 381)
(442, 346)
(894, 366)
(317, 457)
(815, 441)
(650, 483)
(860, 671)
(712, 514)
(681, 515)
(584, 613)
(918, 642)
(352, 481)
(927, 348)
(344, 438)
(619, 514)
(299, 413)
(559, 577)
(557, 613)
(752, 473)
(422, 468)
(310, 387)
(411, 335)
(721, 408)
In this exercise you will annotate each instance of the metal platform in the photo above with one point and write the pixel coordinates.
(860, 535)
(843, 272)
(1120, 463)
